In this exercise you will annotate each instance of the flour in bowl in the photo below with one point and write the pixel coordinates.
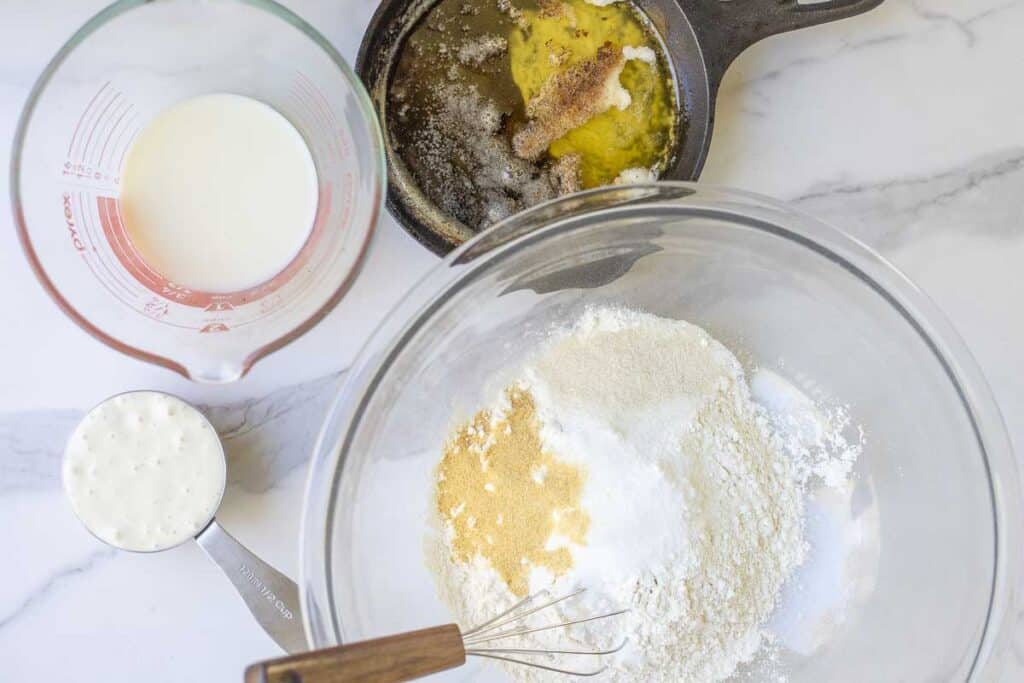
(629, 458)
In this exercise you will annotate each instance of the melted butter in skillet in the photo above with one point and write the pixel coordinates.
(458, 96)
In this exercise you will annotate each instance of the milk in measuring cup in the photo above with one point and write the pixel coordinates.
(218, 193)
(144, 471)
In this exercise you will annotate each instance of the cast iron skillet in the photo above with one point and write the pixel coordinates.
(701, 37)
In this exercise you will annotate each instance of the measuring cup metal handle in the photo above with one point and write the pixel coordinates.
(271, 596)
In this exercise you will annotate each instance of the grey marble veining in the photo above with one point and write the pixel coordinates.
(963, 18)
(61, 575)
(902, 127)
(983, 197)
(281, 428)
(265, 438)
(32, 445)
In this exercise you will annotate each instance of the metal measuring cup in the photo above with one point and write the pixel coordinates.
(272, 598)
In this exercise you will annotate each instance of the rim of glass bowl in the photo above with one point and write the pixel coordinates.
(375, 170)
(322, 623)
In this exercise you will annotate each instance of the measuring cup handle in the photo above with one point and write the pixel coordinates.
(271, 596)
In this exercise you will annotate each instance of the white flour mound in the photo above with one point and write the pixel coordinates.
(696, 507)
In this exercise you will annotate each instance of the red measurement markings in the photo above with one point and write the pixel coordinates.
(96, 124)
(69, 216)
(309, 249)
(87, 123)
(85, 113)
(323, 136)
(335, 125)
(127, 146)
(89, 132)
(90, 231)
(135, 265)
(333, 130)
(156, 308)
(110, 136)
(69, 223)
(348, 189)
(125, 252)
(318, 275)
(301, 118)
(305, 255)
(110, 214)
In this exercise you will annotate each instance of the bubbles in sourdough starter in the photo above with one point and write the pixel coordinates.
(144, 471)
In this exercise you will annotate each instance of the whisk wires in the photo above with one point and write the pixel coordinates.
(512, 623)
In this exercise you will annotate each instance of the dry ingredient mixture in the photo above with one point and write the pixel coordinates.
(630, 458)
(497, 105)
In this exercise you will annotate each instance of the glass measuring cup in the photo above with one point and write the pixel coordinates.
(131, 61)
(272, 598)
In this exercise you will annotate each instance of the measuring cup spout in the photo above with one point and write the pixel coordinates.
(272, 598)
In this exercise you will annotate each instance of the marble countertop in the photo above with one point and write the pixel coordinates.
(903, 126)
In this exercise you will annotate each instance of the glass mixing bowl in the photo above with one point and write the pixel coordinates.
(128, 63)
(909, 578)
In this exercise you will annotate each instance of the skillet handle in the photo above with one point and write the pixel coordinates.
(725, 28)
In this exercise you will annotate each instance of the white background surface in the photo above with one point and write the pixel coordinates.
(904, 126)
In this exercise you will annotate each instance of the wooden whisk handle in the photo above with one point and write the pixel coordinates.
(402, 657)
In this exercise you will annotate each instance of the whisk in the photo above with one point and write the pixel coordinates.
(410, 655)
